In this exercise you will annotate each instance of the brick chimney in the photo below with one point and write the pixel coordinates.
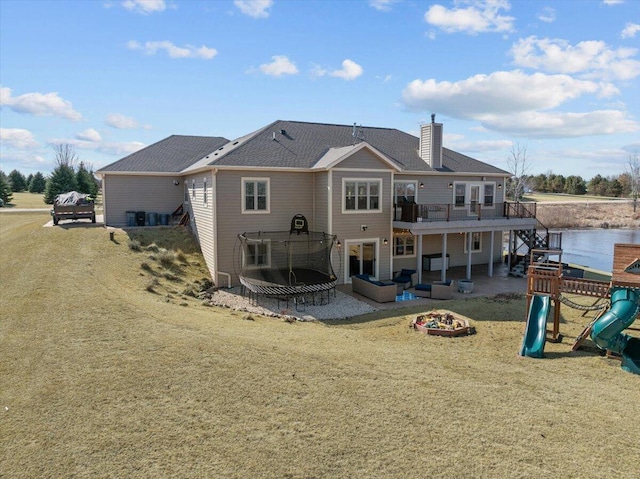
(431, 143)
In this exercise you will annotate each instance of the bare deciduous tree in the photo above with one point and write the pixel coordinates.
(65, 155)
(519, 166)
(633, 170)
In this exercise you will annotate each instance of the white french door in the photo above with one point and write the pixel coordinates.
(361, 258)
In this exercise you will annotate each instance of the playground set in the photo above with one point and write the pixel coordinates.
(617, 304)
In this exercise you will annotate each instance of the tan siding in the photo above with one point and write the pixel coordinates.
(436, 188)
(348, 226)
(124, 193)
(290, 194)
(455, 248)
(202, 215)
(364, 160)
(321, 205)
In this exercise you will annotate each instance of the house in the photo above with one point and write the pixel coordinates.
(391, 200)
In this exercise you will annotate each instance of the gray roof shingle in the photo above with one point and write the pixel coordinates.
(303, 144)
(171, 155)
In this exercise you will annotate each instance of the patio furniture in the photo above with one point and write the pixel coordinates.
(435, 290)
(406, 278)
(379, 291)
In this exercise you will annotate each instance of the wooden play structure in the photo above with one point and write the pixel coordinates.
(545, 277)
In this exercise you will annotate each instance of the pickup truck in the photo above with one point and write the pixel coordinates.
(73, 206)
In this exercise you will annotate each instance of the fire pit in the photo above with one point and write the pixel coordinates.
(441, 323)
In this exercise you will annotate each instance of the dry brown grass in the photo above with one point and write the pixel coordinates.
(589, 215)
(100, 378)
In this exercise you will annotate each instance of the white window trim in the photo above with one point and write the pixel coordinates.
(479, 250)
(466, 194)
(406, 182)
(243, 182)
(187, 192)
(345, 211)
(405, 246)
(257, 266)
(493, 205)
(193, 188)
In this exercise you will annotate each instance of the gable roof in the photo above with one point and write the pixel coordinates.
(171, 155)
(295, 144)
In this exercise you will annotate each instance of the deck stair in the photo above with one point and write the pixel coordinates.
(538, 238)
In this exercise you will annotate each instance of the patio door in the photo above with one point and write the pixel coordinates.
(474, 199)
(361, 258)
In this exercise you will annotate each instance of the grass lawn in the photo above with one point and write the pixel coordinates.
(102, 378)
(546, 197)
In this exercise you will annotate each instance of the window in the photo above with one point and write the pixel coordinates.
(488, 195)
(255, 195)
(404, 191)
(403, 245)
(258, 254)
(362, 195)
(460, 194)
(476, 242)
(186, 192)
(193, 189)
(204, 192)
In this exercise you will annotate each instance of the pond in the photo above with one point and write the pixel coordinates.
(594, 248)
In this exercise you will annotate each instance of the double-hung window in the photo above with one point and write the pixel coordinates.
(489, 195)
(403, 245)
(361, 195)
(476, 242)
(204, 192)
(193, 188)
(255, 195)
(404, 191)
(460, 191)
(258, 254)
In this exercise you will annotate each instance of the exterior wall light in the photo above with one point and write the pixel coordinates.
(176, 182)
(450, 185)
(421, 185)
(385, 241)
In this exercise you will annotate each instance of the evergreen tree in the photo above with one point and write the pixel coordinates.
(38, 183)
(5, 189)
(575, 185)
(86, 181)
(63, 178)
(17, 181)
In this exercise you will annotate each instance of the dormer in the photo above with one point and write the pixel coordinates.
(431, 143)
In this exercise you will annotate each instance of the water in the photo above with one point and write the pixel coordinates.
(594, 248)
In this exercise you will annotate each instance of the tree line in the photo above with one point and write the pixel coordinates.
(69, 174)
(618, 186)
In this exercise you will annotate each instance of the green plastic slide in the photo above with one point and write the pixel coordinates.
(606, 332)
(535, 333)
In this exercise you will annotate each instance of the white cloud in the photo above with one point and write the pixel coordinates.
(254, 8)
(350, 70)
(562, 125)
(630, 30)
(108, 147)
(613, 2)
(89, 134)
(591, 59)
(500, 93)
(174, 51)
(480, 16)
(469, 146)
(121, 122)
(280, 65)
(547, 15)
(145, 6)
(39, 104)
(382, 5)
(18, 138)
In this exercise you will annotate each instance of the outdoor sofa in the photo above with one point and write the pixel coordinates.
(406, 278)
(435, 290)
(379, 291)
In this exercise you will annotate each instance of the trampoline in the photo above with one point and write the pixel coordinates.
(287, 264)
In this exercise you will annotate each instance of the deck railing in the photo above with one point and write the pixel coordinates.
(425, 213)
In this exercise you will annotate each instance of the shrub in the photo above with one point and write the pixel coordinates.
(135, 245)
(151, 285)
(166, 258)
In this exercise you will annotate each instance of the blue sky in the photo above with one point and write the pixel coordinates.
(559, 78)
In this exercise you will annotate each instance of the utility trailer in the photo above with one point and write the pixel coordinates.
(73, 206)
